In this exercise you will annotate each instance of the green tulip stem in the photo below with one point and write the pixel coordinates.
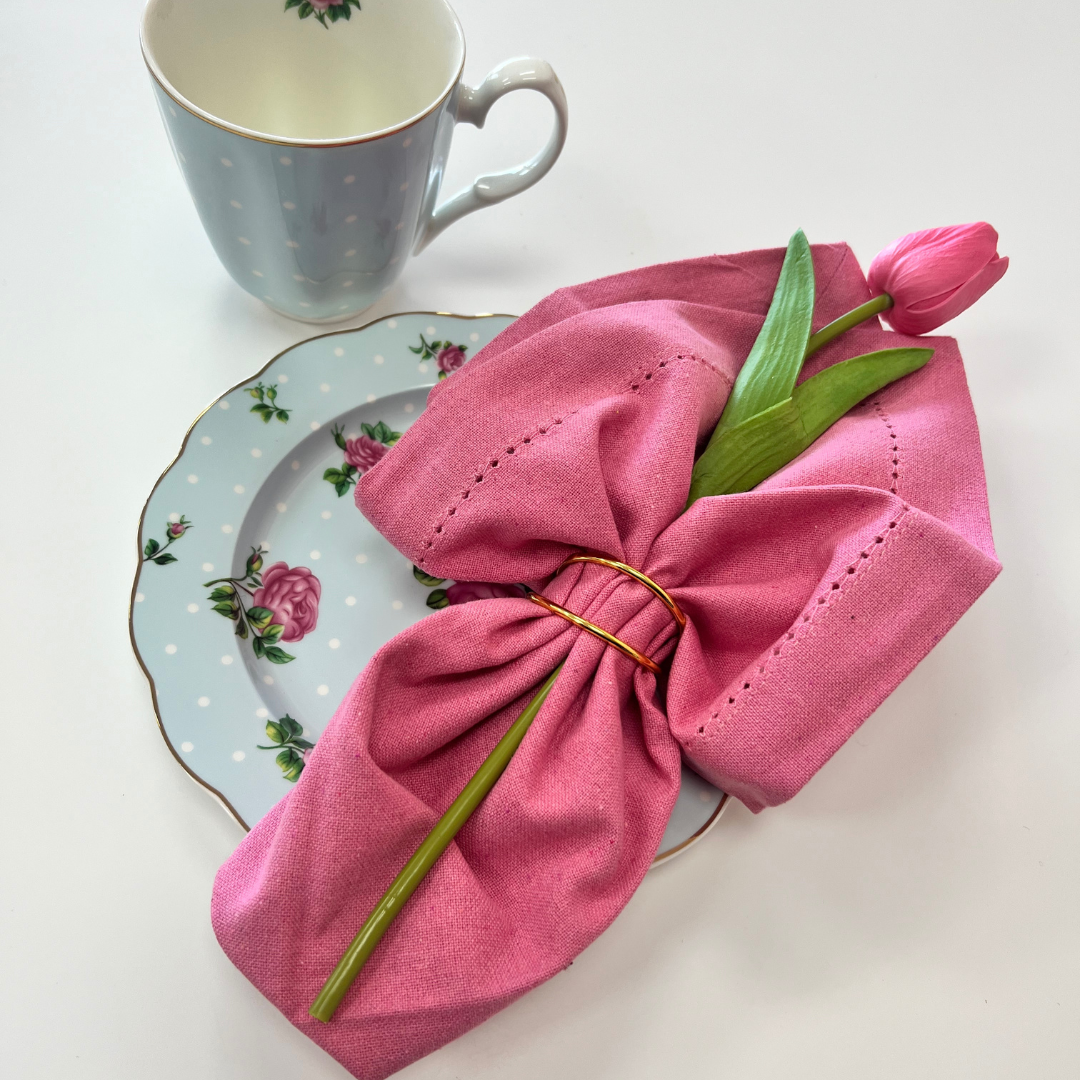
(427, 854)
(767, 422)
(846, 322)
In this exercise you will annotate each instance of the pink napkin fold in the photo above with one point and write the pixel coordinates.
(808, 600)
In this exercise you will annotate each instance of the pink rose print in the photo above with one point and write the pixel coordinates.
(464, 591)
(267, 607)
(363, 452)
(450, 358)
(293, 750)
(293, 597)
(158, 553)
(323, 9)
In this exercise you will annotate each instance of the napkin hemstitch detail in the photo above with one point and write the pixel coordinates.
(803, 626)
(635, 386)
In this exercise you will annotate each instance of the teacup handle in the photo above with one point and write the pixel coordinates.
(472, 107)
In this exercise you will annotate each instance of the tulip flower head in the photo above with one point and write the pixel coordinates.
(935, 274)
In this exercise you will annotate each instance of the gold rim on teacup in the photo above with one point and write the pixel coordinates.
(170, 90)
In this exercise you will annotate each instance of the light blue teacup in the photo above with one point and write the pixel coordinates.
(313, 138)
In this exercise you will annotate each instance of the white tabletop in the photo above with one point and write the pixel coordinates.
(913, 912)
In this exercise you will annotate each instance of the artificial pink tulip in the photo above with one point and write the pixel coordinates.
(935, 274)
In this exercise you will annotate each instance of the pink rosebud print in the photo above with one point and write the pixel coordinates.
(935, 274)
(464, 591)
(176, 529)
(293, 597)
(450, 358)
(363, 452)
(323, 5)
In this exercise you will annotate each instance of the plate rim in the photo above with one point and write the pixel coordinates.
(666, 856)
(678, 849)
(221, 798)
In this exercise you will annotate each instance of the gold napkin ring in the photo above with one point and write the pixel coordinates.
(598, 631)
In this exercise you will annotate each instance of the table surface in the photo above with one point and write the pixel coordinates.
(913, 912)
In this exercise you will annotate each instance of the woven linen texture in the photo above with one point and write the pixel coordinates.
(808, 600)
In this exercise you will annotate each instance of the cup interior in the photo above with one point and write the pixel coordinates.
(250, 65)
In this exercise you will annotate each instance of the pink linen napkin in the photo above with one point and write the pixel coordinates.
(808, 600)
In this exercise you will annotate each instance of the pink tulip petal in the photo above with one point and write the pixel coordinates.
(928, 315)
(934, 274)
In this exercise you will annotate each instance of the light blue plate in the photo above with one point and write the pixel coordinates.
(250, 482)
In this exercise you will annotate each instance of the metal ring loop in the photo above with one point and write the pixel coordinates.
(638, 576)
(598, 631)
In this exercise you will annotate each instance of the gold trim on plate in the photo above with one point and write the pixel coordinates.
(720, 806)
(724, 797)
(157, 483)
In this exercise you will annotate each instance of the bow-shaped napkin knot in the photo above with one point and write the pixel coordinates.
(807, 600)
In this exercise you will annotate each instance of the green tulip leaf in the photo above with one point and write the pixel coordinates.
(745, 455)
(823, 399)
(769, 374)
